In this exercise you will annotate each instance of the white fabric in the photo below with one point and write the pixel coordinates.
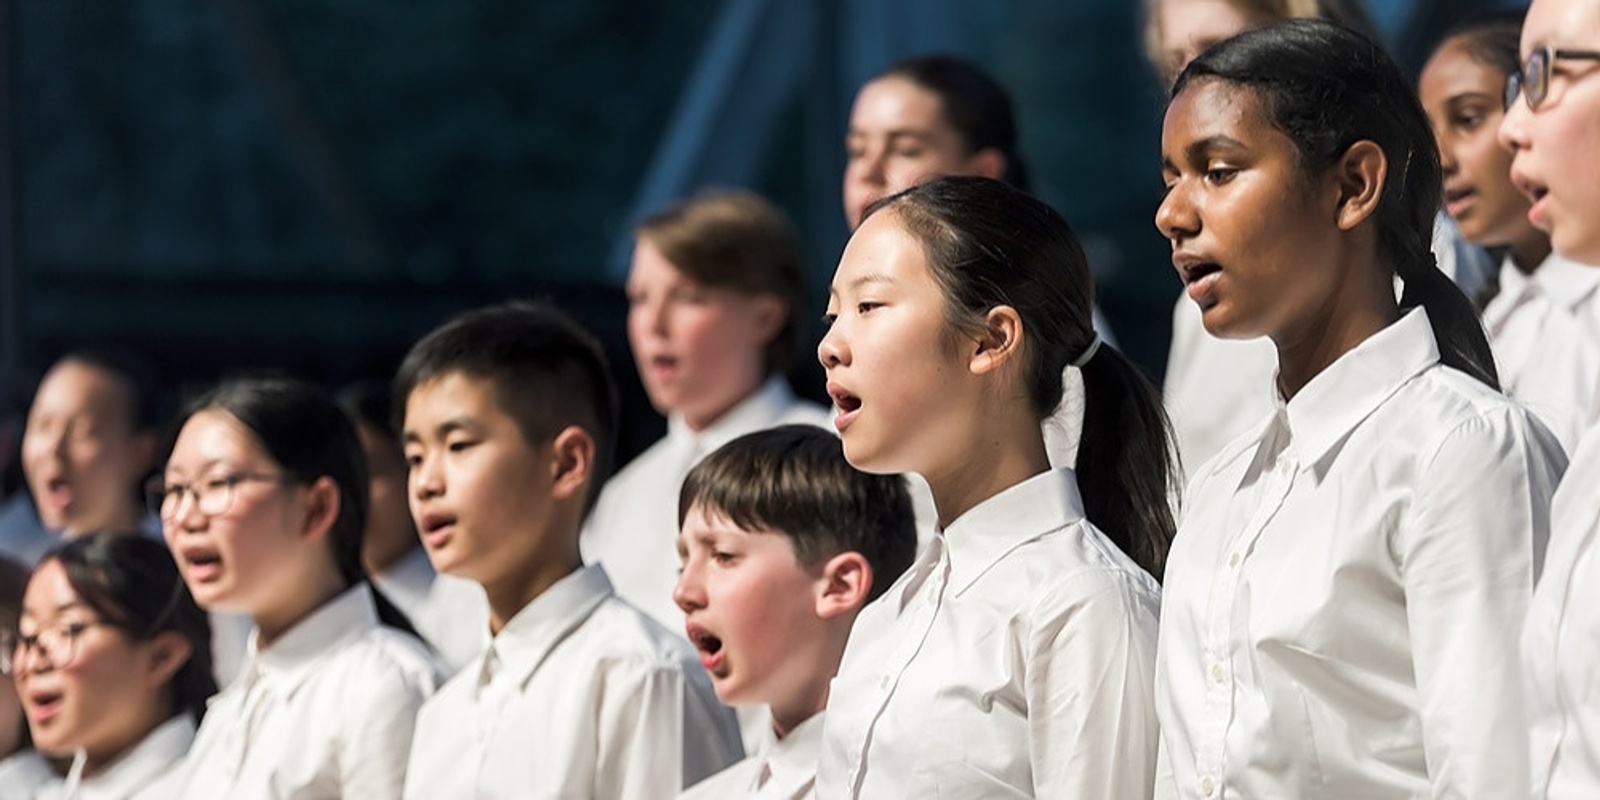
(451, 613)
(326, 710)
(145, 772)
(1561, 641)
(579, 695)
(1343, 599)
(783, 769)
(22, 774)
(1545, 331)
(633, 529)
(1014, 659)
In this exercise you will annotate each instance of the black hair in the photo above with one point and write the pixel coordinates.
(795, 481)
(131, 582)
(989, 245)
(309, 437)
(973, 103)
(1327, 87)
(369, 403)
(13, 584)
(546, 370)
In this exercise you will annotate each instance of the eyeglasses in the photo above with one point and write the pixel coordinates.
(1533, 82)
(213, 496)
(59, 644)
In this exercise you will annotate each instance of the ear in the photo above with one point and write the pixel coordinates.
(999, 341)
(572, 455)
(322, 507)
(988, 163)
(843, 585)
(768, 312)
(1361, 172)
(169, 651)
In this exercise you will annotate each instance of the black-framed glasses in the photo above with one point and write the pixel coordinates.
(57, 643)
(213, 495)
(1533, 82)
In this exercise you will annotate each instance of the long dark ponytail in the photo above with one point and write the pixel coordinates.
(1327, 87)
(989, 245)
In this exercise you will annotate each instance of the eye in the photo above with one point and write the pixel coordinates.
(866, 306)
(216, 484)
(828, 319)
(413, 460)
(722, 557)
(461, 445)
(1218, 176)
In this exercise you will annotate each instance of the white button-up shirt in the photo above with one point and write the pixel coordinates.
(1014, 659)
(633, 529)
(783, 769)
(326, 710)
(1561, 641)
(1216, 390)
(22, 774)
(1344, 596)
(145, 772)
(579, 695)
(1545, 330)
(451, 613)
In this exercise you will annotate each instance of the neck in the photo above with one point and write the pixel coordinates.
(96, 760)
(302, 601)
(379, 558)
(1004, 450)
(509, 594)
(1530, 251)
(1345, 320)
(699, 419)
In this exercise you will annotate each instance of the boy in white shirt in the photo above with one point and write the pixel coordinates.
(782, 544)
(509, 417)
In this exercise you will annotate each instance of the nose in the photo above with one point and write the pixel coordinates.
(1513, 133)
(831, 351)
(425, 480)
(1176, 217)
(688, 592)
(648, 316)
(1447, 158)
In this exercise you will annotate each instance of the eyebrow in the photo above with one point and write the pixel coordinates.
(443, 429)
(857, 283)
(1200, 147)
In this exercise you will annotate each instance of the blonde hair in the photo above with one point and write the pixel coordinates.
(1345, 12)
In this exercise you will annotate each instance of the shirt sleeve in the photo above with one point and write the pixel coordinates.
(1467, 565)
(642, 730)
(1090, 686)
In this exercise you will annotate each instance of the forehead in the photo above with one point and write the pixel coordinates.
(1211, 107)
(48, 590)
(455, 395)
(1561, 22)
(896, 102)
(212, 436)
(648, 265)
(881, 250)
(73, 386)
(1452, 70)
(1188, 21)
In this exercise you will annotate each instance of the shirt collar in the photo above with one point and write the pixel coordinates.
(1568, 283)
(287, 662)
(752, 413)
(529, 636)
(136, 769)
(407, 580)
(986, 533)
(1334, 402)
(790, 763)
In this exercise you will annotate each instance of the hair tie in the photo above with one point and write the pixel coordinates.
(1088, 352)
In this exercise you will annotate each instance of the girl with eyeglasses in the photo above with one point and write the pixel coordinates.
(1345, 592)
(1546, 356)
(1552, 126)
(111, 658)
(263, 501)
(22, 769)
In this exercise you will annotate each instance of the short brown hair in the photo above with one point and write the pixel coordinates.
(736, 240)
(794, 480)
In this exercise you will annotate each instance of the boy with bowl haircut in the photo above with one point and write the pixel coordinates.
(508, 422)
(782, 544)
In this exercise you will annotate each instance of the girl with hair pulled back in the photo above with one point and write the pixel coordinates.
(263, 501)
(1014, 658)
(1344, 594)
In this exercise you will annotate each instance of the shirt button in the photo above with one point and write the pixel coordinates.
(883, 682)
(1233, 561)
(1208, 787)
(1218, 674)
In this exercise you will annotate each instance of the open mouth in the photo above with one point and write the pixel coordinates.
(708, 645)
(201, 564)
(845, 401)
(43, 704)
(1195, 272)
